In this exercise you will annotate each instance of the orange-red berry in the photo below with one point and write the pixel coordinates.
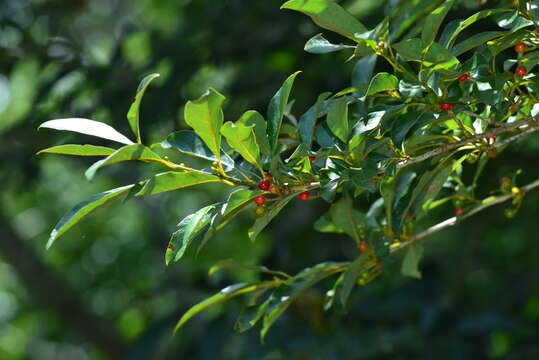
(264, 184)
(445, 106)
(312, 158)
(362, 246)
(520, 47)
(304, 196)
(260, 199)
(464, 77)
(520, 70)
(458, 211)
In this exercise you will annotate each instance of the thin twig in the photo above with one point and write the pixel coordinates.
(481, 117)
(453, 220)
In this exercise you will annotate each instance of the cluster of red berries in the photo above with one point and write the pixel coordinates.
(265, 185)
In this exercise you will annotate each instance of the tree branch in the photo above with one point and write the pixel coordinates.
(453, 220)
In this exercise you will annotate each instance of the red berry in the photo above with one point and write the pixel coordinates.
(445, 106)
(304, 196)
(260, 199)
(520, 70)
(493, 138)
(458, 211)
(520, 47)
(312, 158)
(362, 246)
(464, 77)
(264, 184)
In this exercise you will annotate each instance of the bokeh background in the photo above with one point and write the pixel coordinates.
(103, 291)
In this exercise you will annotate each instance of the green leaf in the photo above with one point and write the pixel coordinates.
(307, 121)
(346, 217)
(125, 153)
(337, 119)
(325, 225)
(237, 201)
(78, 150)
(243, 140)
(223, 295)
(328, 15)
(469, 21)
(319, 45)
(232, 264)
(250, 316)
(433, 22)
(133, 115)
(498, 45)
(253, 118)
(87, 127)
(382, 82)
(205, 116)
(411, 261)
(174, 180)
(437, 56)
(188, 142)
(276, 110)
(474, 41)
(83, 209)
(188, 229)
(262, 221)
(351, 275)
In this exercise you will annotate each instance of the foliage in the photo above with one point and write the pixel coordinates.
(404, 140)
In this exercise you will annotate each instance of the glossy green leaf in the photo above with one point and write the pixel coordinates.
(205, 116)
(125, 153)
(276, 110)
(253, 118)
(133, 115)
(87, 127)
(188, 142)
(347, 218)
(337, 119)
(410, 263)
(237, 201)
(243, 140)
(223, 295)
(188, 229)
(469, 21)
(319, 45)
(382, 82)
(232, 264)
(498, 45)
(78, 150)
(474, 41)
(83, 209)
(307, 121)
(174, 180)
(351, 275)
(433, 22)
(328, 15)
(262, 221)
(436, 56)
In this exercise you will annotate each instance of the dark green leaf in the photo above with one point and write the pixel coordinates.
(337, 119)
(83, 209)
(307, 121)
(474, 41)
(328, 15)
(133, 115)
(351, 275)
(232, 264)
(262, 221)
(276, 110)
(433, 22)
(347, 218)
(174, 180)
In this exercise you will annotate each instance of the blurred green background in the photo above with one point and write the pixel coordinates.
(103, 291)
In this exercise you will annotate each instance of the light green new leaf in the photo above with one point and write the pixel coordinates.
(253, 118)
(78, 150)
(433, 22)
(223, 295)
(243, 140)
(262, 221)
(351, 275)
(88, 127)
(328, 15)
(205, 116)
(188, 142)
(83, 209)
(188, 229)
(337, 119)
(411, 261)
(276, 110)
(126, 153)
(174, 180)
(382, 82)
(133, 115)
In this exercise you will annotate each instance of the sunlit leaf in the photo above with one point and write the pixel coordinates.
(319, 45)
(174, 180)
(262, 221)
(78, 150)
(133, 115)
(87, 127)
(253, 118)
(243, 140)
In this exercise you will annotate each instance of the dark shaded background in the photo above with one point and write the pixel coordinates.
(103, 291)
